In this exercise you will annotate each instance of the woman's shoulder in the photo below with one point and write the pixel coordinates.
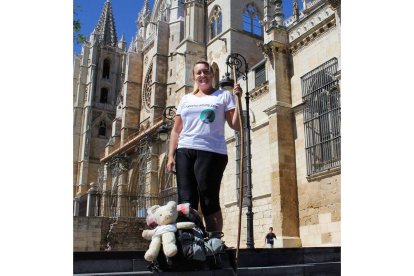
(186, 97)
(223, 93)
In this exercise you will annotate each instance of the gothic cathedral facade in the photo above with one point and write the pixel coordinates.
(125, 98)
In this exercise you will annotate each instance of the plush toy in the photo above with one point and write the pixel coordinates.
(164, 233)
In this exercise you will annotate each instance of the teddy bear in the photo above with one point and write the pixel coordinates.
(164, 233)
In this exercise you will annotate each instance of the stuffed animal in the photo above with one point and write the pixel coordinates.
(165, 218)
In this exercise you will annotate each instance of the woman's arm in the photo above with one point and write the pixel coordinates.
(232, 116)
(175, 133)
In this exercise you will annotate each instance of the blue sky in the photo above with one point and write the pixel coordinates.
(125, 13)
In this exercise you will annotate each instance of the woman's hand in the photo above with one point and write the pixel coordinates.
(170, 164)
(237, 91)
(175, 133)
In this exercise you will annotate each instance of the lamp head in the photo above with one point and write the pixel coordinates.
(226, 82)
(163, 132)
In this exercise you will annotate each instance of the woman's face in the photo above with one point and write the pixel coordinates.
(203, 76)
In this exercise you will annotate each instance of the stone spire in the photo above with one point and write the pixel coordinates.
(131, 45)
(105, 29)
(145, 11)
(146, 7)
(143, 20)
(278, 14)
(122, 42)
(296, 10)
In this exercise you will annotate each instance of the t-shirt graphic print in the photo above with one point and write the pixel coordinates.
(207, 116)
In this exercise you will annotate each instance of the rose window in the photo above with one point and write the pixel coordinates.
(146, 95)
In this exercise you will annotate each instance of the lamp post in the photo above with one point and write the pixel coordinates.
(237, 61)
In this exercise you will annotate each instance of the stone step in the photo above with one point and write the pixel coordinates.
(277, 261)
(321, 269)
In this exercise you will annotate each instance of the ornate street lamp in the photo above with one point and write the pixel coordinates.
(168, 121)
(236, 61)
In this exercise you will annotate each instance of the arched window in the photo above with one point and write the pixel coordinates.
(213, 27)
(104, 95)
(216, 74)
(219, 23)
(215, 22)
(168, 185)
(251, 20)
(260, 74)
(106, 67)
(102, 128)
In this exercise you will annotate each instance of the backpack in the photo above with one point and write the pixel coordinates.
(196, 251)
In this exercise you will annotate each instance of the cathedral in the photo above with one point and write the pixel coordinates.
(125, 97)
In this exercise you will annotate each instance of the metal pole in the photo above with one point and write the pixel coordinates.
(236, 61)
(249, 214)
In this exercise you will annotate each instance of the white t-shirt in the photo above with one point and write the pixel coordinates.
(203, 121)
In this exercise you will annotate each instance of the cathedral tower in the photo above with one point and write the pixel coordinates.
(99, 72)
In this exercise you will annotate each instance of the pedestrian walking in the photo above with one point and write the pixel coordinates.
(270, 237)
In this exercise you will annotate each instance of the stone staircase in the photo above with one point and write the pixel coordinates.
(315, 261)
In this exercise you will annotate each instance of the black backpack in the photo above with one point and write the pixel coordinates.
(195, 250)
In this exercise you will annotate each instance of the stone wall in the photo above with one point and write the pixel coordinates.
(86, 233)
(317, 40)
(93, 233)
(320, 212)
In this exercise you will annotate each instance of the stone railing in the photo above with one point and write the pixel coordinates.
(311, 4)
(133, 136)
(149, 40)
(313, 20)
(290, 20)
(104, 106)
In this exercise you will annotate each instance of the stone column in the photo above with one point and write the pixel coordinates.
(106, 191)
(123, 208)
(131, 96)
(87, 121)
(152, 171)
(120, 167)
(283, 174)
(160, 73)
(282, 148)
(91, 201)
(76, 206)
(194, 21)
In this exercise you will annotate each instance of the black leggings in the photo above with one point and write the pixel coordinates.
(199, 175)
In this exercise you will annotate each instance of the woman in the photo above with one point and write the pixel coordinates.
(197, 140)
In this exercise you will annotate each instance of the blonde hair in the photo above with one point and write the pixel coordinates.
(195, 90)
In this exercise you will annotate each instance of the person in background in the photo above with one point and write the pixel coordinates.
(269, 238)
(197, 148)
(108, 247)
